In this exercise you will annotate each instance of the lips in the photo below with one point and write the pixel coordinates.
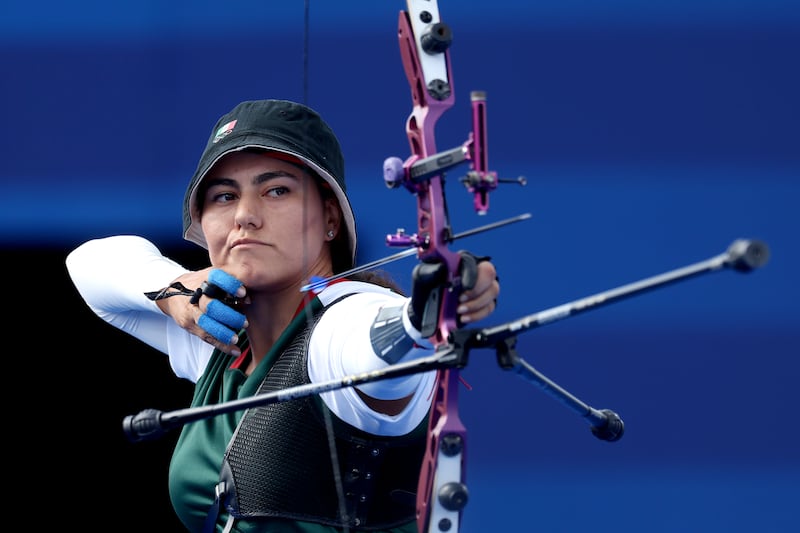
(245, 242)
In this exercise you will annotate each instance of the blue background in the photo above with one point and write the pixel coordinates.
(652, 135)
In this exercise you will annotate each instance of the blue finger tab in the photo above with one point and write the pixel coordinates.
(215, 329)
(222, 313)
(225, 281)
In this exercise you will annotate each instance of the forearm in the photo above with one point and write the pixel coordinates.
(391, 340)
(341, 345)
(363, 333)
(112, 274)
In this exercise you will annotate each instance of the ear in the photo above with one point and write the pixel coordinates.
(333, 215)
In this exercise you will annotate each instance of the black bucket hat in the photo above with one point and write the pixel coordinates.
(277, 125)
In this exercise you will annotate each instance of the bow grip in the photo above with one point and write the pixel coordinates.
(428, 281)
(426, 291)
(468, 269)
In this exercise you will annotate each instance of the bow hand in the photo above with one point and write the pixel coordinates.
(476, 285)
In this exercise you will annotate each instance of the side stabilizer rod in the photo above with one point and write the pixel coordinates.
(743, 255)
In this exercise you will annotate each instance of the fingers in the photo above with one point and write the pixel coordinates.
(477, 309)
(220, 322)
(220, 312)
(226, 282)
(221, 286)
(481, 300)
(217, 330)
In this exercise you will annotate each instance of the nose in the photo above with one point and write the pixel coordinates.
(247, 212)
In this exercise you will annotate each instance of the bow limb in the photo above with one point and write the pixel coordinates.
(423, 43)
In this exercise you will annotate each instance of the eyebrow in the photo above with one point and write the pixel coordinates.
(257, 180)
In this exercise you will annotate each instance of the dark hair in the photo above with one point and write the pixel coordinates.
(340, 250)
(378, 277)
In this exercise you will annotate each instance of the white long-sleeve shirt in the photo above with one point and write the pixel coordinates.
(113, 274)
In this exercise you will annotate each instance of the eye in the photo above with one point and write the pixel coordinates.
(276, 191)
(221, 197)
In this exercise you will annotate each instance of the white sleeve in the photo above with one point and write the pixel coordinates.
(341, 345)
(112, 274)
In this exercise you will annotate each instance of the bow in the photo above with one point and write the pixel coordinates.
(424, 47)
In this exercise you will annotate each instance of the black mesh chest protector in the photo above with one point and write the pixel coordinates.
(279, 462)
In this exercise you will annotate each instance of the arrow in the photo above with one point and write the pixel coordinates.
(320, 283)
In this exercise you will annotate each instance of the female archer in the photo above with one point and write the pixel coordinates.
(268, 201)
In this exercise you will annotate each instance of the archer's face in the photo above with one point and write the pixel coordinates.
(265, 221)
